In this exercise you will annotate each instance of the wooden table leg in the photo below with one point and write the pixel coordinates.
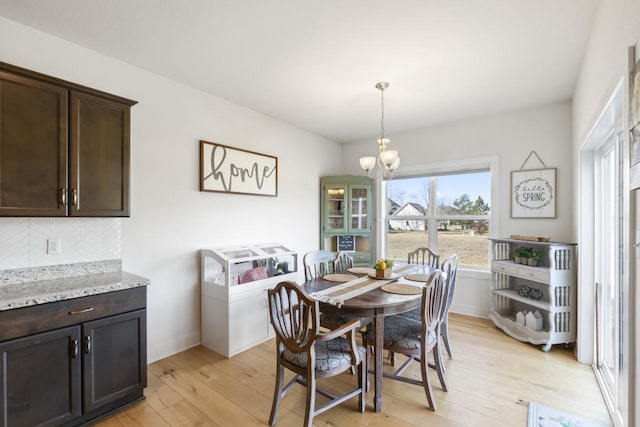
(377, 365)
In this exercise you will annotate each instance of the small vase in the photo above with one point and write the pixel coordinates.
(518, 260)
(383, 274)
(532, 262)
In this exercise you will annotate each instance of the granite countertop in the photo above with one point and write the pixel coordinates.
(31, 286)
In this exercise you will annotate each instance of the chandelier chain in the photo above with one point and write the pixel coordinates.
(382, 113)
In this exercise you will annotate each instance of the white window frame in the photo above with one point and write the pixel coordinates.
(441, 168)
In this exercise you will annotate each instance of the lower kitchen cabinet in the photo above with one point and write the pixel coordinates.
(114, 359)
(41, 379)
(74, 373)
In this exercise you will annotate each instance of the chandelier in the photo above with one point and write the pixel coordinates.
(387, 160)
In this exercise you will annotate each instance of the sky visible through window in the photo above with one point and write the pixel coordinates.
(450, 187)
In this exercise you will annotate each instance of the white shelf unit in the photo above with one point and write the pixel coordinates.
(555, 278)
(233, 286)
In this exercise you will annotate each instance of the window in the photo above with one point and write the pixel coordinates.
(446, 212)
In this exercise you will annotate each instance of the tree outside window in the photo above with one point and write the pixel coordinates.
(446, 213)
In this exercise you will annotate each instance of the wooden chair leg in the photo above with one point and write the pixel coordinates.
(311, 399)
(439, 348)
(277, 395)
(363, 381)
(437, 356)
(424, 368)
(444, 332)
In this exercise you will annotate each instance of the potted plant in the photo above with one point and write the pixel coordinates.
(534, 258)
(383, 268)
(521, 255)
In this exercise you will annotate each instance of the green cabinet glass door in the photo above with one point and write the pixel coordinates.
(359, 213)
(335, 197)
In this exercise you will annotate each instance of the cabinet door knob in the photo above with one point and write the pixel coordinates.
(87, 344)
(62, 199)
(74, 197)
(74, 349)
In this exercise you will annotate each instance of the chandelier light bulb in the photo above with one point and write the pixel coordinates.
(367, 163)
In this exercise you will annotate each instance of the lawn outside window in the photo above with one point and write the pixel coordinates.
(448, 212)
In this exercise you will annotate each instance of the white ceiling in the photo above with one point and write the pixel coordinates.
(314, 64)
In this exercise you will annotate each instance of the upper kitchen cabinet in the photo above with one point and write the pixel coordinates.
(99, 157)
(33, 147)
(64, 148)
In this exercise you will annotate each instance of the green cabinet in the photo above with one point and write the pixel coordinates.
(347, 216)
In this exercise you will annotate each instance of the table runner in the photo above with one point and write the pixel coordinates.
(337, 295)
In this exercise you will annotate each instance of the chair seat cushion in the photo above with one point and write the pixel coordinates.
(415, 314)
(334, 322)
(329, 355)
(401, 332)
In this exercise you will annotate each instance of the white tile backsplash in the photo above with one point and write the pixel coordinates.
(14, 243)
(23, 241)
(41, 229)
(68, 232)
(90, 247)
(110, 240)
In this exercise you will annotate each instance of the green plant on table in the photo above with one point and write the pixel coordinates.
(383, 264)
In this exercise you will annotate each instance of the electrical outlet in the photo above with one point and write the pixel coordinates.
(54, 246)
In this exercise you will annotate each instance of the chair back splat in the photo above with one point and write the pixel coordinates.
(317, 264)
(343, 262)
(450, 268)
(424, 256)
(294, 317)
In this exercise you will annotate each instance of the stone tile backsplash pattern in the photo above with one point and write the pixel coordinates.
(23, 241)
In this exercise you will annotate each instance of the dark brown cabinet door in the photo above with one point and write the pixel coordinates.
(114, 354)
(99, 156)
(33, 147)
(41, 379)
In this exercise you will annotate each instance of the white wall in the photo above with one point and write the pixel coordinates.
(170, 219)
(616, 27)
(510, 136)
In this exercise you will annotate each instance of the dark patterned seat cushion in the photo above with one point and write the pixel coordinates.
(329, 355)
(401, 332)
(415, 314)
(334, 322)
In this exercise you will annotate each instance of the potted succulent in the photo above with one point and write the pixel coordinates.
(534, 258)
(383, 268)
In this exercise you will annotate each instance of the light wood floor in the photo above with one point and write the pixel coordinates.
(491, 377)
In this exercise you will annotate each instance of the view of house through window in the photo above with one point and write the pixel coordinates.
(446, 213)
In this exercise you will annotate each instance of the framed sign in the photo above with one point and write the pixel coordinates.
(533, 193)
(346, 242)
(225, 169)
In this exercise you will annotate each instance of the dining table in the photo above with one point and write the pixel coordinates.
(364, 296)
